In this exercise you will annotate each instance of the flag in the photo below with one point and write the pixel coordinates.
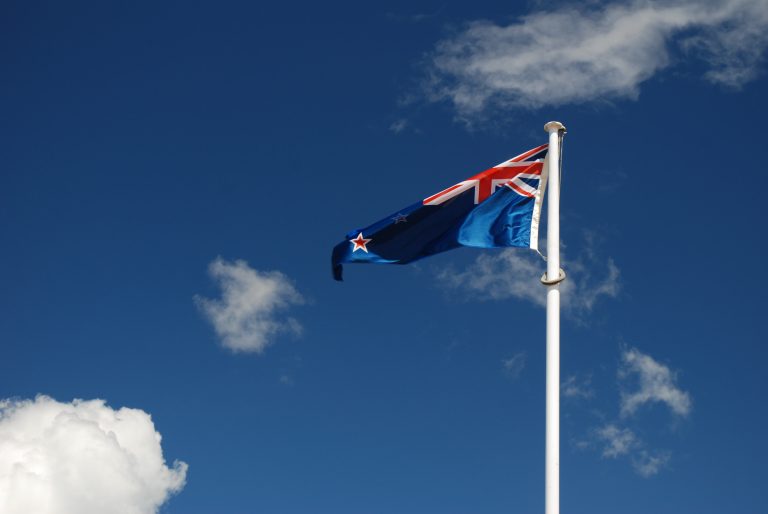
(498, 207)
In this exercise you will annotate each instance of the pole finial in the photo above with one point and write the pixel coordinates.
(554, 126)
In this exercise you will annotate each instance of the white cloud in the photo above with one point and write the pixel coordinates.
(655, 383)
(648, 464)
(622, 442)
(595, 52)
(572, 387)
(516, 273)
(249, 316)
(498, 275)
(617, 441)
(514, 365)
(584, 289)
(81, 457)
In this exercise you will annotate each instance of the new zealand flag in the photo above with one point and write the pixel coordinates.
(498, 207)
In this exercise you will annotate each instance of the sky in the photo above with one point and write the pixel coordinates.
(174, 175)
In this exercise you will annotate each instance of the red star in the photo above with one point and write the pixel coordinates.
(360, 243)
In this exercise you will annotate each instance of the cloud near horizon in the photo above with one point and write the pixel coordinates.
(594, 52)
(250, 313)
(82, 457)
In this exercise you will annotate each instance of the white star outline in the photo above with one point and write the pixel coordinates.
(360, 243)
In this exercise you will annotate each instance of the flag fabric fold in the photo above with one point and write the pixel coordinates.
(499, 207)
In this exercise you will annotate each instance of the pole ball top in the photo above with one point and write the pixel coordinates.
(554, 126)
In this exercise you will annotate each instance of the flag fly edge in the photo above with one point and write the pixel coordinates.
(537, 203)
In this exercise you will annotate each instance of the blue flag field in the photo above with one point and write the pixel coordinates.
(498, 207)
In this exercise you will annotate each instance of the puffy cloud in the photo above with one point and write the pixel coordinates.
(81, 457)
(655, 383)
(516, 273)
(584, 53)
(249, 314)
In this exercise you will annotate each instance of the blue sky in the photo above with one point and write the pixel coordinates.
(168, 166)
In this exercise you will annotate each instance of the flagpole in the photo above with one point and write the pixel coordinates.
(552, 280)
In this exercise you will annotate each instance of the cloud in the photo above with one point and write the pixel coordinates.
(585, 289)
(514, 365)
(648, 464)
(516, 273)
(398, 125)
(249, 316)
(622, 442)
(618, 441)
(597, 52)
(573, 388)
(655, 383)
(509, 273)
(81, 457)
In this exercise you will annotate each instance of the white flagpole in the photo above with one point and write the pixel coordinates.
(552, 280)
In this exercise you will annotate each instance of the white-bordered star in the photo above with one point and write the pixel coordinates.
(400, 218)
(360, 243)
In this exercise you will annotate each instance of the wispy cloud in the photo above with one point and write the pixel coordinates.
(516, 273)
(498, 275)
(618, 438)
(594, 52)
(621, 442)
(573, 387)
(398, 125)
(655, 383)
(251, 310)
(589, 283)
(514, 365)
(83, 457)
(617, 441)
(648, 463)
